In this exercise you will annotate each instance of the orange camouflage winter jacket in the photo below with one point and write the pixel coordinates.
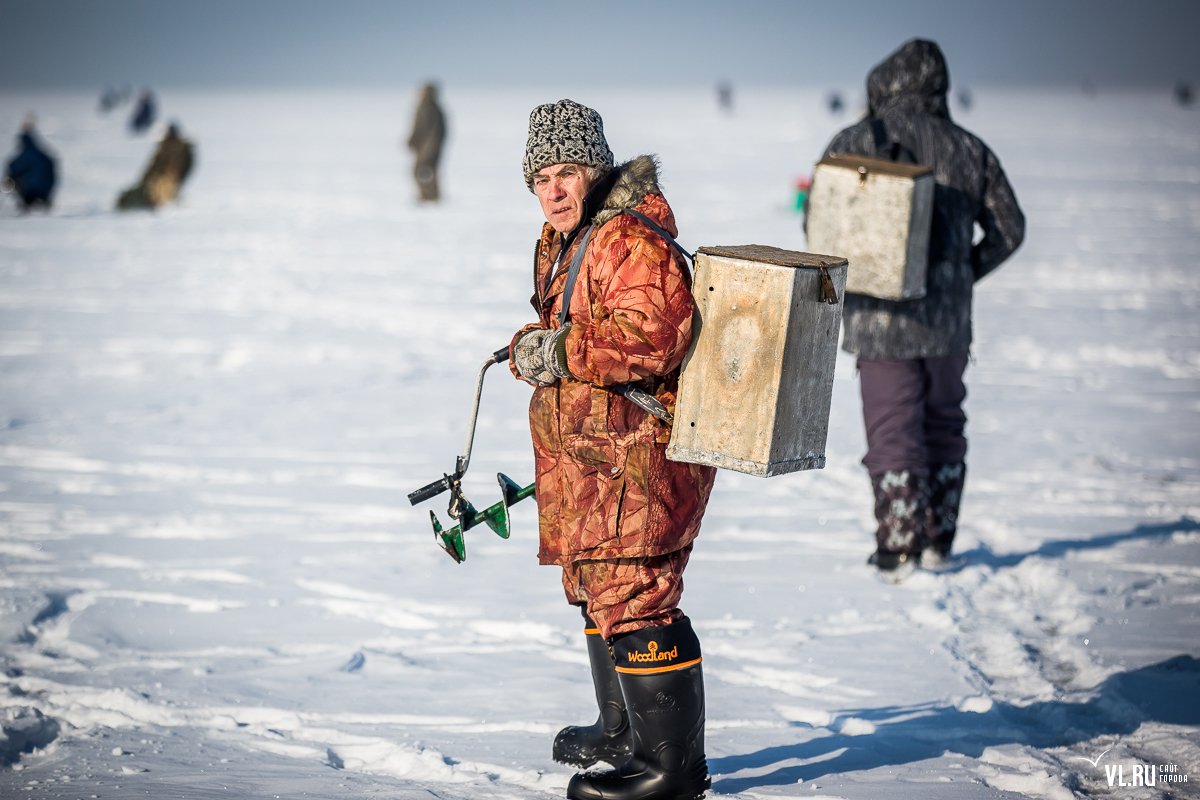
(605, 488)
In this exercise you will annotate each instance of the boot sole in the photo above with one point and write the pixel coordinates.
(694, 794)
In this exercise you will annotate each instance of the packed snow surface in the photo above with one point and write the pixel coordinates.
(213, 584)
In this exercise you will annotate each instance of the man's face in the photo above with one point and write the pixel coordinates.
(560, 189)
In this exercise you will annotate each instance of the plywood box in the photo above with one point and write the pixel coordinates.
(756, 385)
(878, 215)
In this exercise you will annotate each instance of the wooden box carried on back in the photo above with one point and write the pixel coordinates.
(878, 215)
(757, 382)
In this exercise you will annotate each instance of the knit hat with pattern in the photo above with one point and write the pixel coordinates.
(565, 133)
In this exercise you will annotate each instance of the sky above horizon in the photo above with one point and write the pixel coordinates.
(84, 44)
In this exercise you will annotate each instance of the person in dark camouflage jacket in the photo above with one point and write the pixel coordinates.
(912, 354)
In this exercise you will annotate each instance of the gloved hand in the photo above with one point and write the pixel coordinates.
(527, 355)
(538, 356)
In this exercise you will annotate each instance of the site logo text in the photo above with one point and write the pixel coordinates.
(1143, 774)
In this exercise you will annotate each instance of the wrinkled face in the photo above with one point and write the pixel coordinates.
(560, 189)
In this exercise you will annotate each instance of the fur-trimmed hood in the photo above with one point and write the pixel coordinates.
(636, 178)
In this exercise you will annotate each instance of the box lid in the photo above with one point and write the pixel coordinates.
(876, 165)
(774, 255)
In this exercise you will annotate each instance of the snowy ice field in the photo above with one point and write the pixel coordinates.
(213, 585)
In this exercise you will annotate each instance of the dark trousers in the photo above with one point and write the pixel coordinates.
(913, 413)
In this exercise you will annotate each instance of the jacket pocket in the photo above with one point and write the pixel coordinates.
(594, 454)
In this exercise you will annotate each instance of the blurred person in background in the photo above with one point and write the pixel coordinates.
(167, 171)
(725, 97)
(114, 96)
(31, 173)
(144, 113)
(613, 512)
(428, 135)
(912, 354)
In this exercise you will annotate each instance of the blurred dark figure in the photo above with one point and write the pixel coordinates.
(144, 113)
(725, 96)
(1183, 94)
(428, 135)
(31, 172)
(912, 354)
(110, 99)
(167, 171)
(835, 103)
(965, 98)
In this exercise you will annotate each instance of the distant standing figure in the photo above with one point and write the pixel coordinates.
(835, 103)
(428, 135)
(167, 171)
(1183, 94)
(965, 98)
(144, 113)
(912, 354)
(110, 99)
(31, 172)
(725, 96)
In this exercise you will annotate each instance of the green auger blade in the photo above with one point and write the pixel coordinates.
(513, 493)
(451, 541)
(494, 516)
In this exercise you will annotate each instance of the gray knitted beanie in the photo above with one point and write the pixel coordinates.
(565, 133)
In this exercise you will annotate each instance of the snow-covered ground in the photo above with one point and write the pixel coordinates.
(212, 584)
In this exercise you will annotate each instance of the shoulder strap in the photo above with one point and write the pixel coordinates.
(572, 274)
(627, 390)
(654, 226)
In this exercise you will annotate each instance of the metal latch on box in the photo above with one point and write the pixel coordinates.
(828, 293)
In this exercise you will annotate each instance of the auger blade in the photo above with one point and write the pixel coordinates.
(511, 493)
(494, 516)
(451, 541)
(514, 493)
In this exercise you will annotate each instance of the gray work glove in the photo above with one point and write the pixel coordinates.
(540, 358)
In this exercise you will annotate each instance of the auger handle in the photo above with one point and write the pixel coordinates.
(432, 490)
(444, 483)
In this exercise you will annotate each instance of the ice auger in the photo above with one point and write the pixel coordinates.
(460, 508)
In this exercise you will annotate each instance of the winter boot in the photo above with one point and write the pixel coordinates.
(945, 495)
(902, 508)
(659, 670)
(608, 739)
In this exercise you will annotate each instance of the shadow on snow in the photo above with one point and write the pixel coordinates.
(1167, 692)
(982, 556)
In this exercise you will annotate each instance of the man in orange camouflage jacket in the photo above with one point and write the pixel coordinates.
(614, 513)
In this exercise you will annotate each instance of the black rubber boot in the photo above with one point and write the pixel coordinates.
(608, 739)
(661, 678)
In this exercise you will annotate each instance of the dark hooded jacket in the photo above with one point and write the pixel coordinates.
(32, 171)
(907, 94)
